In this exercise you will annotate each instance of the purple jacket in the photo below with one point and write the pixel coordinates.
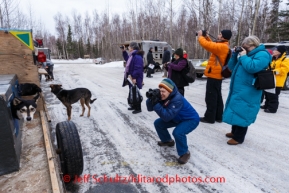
(136, 67)
(175, 72)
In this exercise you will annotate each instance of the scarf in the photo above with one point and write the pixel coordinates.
(128, 62)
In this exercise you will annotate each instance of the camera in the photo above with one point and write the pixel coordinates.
(238, 49)
(204, 33)
(153, 93)
(121, 47)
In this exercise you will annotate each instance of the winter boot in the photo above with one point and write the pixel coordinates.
(169, 143)
(184, 158)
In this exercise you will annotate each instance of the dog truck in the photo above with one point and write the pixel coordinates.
(158, 49)
(18, 59)
(40, 53)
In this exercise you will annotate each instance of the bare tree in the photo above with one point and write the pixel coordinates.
(61, 30)
(240, 22)
(257, 5)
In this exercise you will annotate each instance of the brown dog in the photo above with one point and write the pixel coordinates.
(68, 97)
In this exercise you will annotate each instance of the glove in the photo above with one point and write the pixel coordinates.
(155, 100)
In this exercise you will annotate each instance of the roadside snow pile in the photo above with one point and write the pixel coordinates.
(77, 61)
(117, 64)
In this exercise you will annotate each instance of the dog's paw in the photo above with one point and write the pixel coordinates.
(81, 115)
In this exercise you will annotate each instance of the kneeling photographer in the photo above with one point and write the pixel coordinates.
(174, 111)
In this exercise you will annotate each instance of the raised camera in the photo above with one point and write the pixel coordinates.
(238, 49)
(121, 47)
(153, 92)
(204, 33)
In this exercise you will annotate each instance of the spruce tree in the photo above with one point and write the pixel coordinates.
(81, 48)
(59, 48)
(69, 43)
(88, 47)
(284, 24)
(273, 22)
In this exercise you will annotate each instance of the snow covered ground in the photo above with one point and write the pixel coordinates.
(116, 142)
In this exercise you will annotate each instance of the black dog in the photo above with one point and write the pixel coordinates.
(24, 108)
(27, 89)
(68, 97)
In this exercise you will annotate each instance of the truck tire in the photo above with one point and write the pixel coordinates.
(199, 75)
(286, 84)
(69, 149)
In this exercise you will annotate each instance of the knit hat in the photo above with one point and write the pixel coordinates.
(281, 49)
(227, 34)
(134, 45)
(179, 52)
(167, 84)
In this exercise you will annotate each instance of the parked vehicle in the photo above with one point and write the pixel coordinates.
(100, 60)
(158, 48)
(272, 46)
(200, 66)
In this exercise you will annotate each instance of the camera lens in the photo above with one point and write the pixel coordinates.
(238, 49)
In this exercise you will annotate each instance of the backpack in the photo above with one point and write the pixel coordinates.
(226, 72)
(189, 72)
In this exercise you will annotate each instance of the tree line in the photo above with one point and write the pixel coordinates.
(100, 34)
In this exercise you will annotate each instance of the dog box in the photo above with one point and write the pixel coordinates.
(10, 134)
(7, 93)
(11, 79)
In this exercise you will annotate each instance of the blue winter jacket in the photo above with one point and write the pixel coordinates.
(175, 108)
(136, 66)
(243, 102)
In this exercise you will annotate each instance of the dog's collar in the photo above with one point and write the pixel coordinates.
(59, 91)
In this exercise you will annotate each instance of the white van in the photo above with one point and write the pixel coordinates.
(145, 45)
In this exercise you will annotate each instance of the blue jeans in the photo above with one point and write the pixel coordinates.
(179, 133)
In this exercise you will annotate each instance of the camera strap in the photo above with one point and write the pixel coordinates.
(218, 60)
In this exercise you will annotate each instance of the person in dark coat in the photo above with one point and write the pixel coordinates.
(175, 71)
(150, 60)
(166, 59)
(133, 70)
(173, 111)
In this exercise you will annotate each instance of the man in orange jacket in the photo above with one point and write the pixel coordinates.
(219, 51)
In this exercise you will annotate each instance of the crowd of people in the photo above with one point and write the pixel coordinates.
(243, 101)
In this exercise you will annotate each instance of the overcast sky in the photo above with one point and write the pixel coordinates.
(47, 9)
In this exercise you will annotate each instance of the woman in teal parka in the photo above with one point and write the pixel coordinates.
(243, 102)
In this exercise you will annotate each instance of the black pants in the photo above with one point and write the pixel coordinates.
(239, 133)
(272, 100)
(149, 72)
(181, 90)
(214, 100)
(262, 97)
